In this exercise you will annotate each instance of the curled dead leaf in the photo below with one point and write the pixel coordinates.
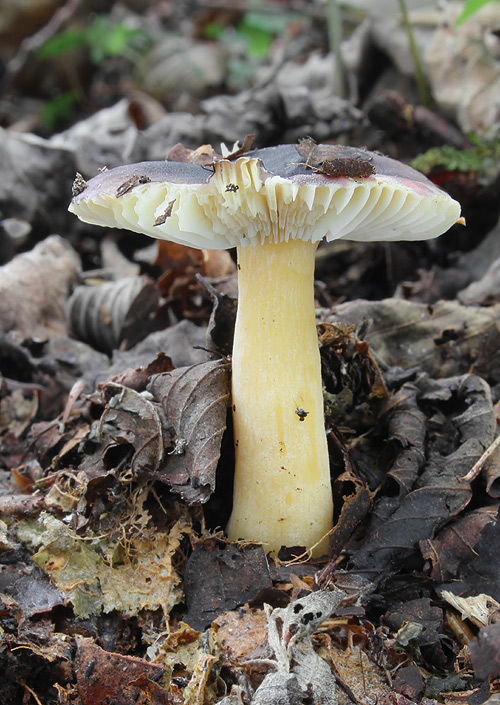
(195, 401)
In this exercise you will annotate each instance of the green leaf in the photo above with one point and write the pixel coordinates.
(213, 30)
(259, 28)
(57, 110)
(62, 43)
(106, 39)
(470, 8)
(103, 38)
(258, 40)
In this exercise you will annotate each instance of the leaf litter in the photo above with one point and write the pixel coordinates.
(157, 426)
(102, 507)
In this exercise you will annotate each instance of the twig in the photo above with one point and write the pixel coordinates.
(31, 692)
(477, 467)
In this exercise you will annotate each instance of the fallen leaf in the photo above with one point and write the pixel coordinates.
(242, 636)
(335, 160)
(114, 314)
(365, 680)
(444, 339)
(482, 573)
(454, 546)
(203, 155)
(220, 579)
(409, 682)
(220, 329)
(485, 652)
(103, 677)
(195, 401)
(130, 418)
(420, 612)
(437, 492)
(97, 574)
(34, 287)
(481, 610)
(30, 588)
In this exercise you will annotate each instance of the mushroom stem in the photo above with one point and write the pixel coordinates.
(282, 490)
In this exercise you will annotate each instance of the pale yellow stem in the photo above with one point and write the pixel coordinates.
(282, 491)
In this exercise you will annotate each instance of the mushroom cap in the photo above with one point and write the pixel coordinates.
(269, 194)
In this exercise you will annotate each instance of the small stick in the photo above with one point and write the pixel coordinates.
(477, 467)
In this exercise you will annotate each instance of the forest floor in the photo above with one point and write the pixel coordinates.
(117, 583)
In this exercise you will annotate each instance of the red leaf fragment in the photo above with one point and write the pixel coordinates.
(104, 677)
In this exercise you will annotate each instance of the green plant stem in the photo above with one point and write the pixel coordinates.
(334, 20)
(423, 90)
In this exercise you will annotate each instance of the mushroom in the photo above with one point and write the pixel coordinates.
(274, 205)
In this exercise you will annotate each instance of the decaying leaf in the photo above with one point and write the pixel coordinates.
(300, 671)
(420, 618)
(180, 266)
(242, 636)
(241, 147)
(204, 155)
(444, 339)
(161, 219)
(102, 677)
(482, 573)
(129, 184)
(30, 588)
(220, 579)
(435, 492)
(187, 657)
(100, 574)
(131, 418)
(34, 287)
(198, 689)
(454, 546)
(114, 314)
(481, 610)
(485, 652)
(365, 681)
(17, 410)
(195, 401)
(220, 331)
(349, 371)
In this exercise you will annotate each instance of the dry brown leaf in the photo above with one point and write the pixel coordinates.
(242, 636)
(34, 287)
(195, 400)
(131, 418)
(444, 339)
(102, 676)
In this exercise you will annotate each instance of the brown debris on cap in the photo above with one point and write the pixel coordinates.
(335, 159)
(204, 155)
(79, 185)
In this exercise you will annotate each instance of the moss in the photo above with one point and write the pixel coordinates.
(483, 157)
